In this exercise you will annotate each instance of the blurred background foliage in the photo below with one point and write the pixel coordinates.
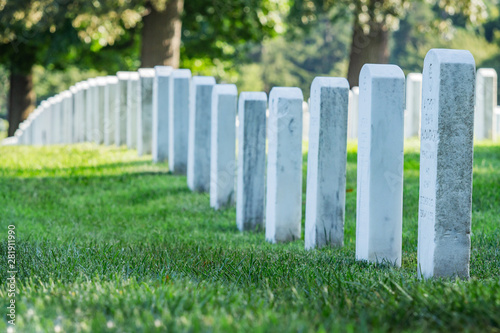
(256, 44)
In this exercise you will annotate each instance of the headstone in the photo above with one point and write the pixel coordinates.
(306, 115)
(161, 89)
(121, 109)
(413, 104)
(110, 107)
(145, 111)
(71, 123)
(284, 165)
(223, 145)
(132, 106)
(81, 110)
(67, 111)
(446, 154)
(353, 113)
(45, 121)
(326, 163)
(486, 103)
(91, 110)
(198, 172)
(379, 217)
(250, 189)
(57, 120)
(37, 126)
(179, 121)
(496, 121)
(99, 114)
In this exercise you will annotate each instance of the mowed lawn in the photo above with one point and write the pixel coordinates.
(109, 242)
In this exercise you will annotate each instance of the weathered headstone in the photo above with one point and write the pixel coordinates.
(413, 104)
(353, 113)
(486, 103)
(223, 145)
(284, 165)
(132, 106)
(91, 110)
(200, 107)
(161, 89)
(446, 154)
(179, 121)
(110, 106)
(379, 217)
(250, 189)
(326, 164)
(145, 111)
(121, 109)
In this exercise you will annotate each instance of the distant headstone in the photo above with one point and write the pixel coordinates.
(326, 163)
(379, 217)
(198, 172)
(496, 121)
(57, 120)
(446, 154)
(110, 107)
(145, 111)
(486, 103)
(45, 121)
(132, 106)
(250, 195)
(223, 145)
(284, 165)
(81, 110)
(179, 121)
(67, 110)
(353, 113)
(413, 104)
(91, 110)
(99, 114)
(161, 89)
(121, 109)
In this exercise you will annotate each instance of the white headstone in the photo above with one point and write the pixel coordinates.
(379, 217)
(145, 111)
(121, 109)
(161, 89)
(326, 163)
(284, 165)
(223, 145)
(98, 133)
(250, 189)
(132, 106)
(45, 120)
(81, 110)
(496, 121)
(413, 104)
(486, 103)
(179, 121)
(446, 154)
(67, 110)
(200, 107)
(353, 114)
(110, 106)
(91, 110)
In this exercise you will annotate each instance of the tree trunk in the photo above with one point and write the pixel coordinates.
(21, 98)
(367, 48)
(161, 36)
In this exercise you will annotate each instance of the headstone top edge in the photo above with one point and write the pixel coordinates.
(355, 90)
(163, 70)
(253, 96)
(225, 89)
(111, 79)
(134, 76)
(414, 76)
(487, 72)
(146, 72)
(122, 75)
(181, 73)
(203, 80)
(451, 56)
(286, 92)
(386, 71)
(330, 81)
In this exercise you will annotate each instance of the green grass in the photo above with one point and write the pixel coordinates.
(109, 242)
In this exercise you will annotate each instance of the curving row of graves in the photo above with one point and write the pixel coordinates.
(191, 123)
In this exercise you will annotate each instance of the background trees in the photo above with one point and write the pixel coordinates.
(254, 43)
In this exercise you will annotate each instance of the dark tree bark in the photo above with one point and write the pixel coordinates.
(161, 36)
(367, 48)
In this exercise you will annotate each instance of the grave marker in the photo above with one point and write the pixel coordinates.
(413, 104)
(250, 195)
(110, 106)
(145, 111)
(379, 215)
(161, 89)
(284, 165)
(121, 109)
(326, 164)
(446, 154)
(486, 103)
(132, 106)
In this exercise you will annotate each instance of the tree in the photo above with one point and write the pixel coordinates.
(373, 21)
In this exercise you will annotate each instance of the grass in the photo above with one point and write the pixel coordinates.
(109, 242)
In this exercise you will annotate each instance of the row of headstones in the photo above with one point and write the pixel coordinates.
(486, 115)
(191, 123)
